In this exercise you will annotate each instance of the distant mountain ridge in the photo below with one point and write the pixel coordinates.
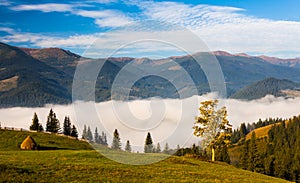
(288, 62)
(36, 83)
(34, 77)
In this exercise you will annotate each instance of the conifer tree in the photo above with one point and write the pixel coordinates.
(40, 129)
(67, 126)
(154, 149)
(166, 149)
(269, 165)
(36, 126)
(116, 143)
(128, 147)
(244, 156)
(243, 130)
(84, 132)
(158, 149)
(96, 136)
(148, 148)
(74, 132)
(104, 139)
(255, 163)
(89, 135)
(52, 124)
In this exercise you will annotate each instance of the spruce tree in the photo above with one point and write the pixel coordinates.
(84, 132)
(158, 149)
(116, 143)
(255, 163)
(128, 147)
(35, 123)
(166, 149)
(40, 129)
(269, 165)
(89, 135)
(154, 149)
(52, 124)
(74, 132)
(36, 126)
(243, 163)
(243, 130)
(148, 148)
(96, 136)
(104, 139)
(67, 126)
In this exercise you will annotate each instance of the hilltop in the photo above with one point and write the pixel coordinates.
(10, 141)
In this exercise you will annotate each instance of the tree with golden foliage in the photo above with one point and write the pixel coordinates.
(213, 126)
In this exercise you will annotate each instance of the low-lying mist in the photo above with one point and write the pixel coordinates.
(168, 120)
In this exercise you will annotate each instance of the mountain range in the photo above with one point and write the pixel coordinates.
(34, 77)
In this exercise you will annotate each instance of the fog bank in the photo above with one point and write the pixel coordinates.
(168, 120)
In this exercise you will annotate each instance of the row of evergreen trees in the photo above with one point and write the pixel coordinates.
(97, 138)
(276, 155)
(244, 129)
(53, 125)
(149, 147)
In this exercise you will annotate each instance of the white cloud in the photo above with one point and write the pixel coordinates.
(40, 40)
(228, 28)
(7, 30)
(4, 3)
(81, 41)
(49, 7)
(103, 1)
(107, 18)
(94, 14)
(113, 21)
(103, 18)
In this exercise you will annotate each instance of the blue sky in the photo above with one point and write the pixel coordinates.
(269, 27)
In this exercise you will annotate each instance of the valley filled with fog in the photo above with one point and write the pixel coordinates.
(168, 120)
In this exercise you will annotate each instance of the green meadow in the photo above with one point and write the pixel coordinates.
(75, 161)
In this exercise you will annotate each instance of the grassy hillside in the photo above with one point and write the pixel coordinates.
(260, 132)
(11, 140)
(90, 166)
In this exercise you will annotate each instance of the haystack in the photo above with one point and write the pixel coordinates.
(29, 144)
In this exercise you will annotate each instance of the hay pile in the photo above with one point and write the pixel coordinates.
(29, 144)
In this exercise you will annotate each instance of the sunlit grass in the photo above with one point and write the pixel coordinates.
(89, 165)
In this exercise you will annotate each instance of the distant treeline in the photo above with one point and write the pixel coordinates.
(244, 129)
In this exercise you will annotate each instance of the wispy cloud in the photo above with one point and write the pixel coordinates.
(103, 18)
(107, 18)
(40, 40)
(5, 3)
(7, 30)
(49, 7)
(103, 1)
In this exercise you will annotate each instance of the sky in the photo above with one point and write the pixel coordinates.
(256, 27)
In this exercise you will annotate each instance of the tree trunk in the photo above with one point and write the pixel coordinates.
(212, 154)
